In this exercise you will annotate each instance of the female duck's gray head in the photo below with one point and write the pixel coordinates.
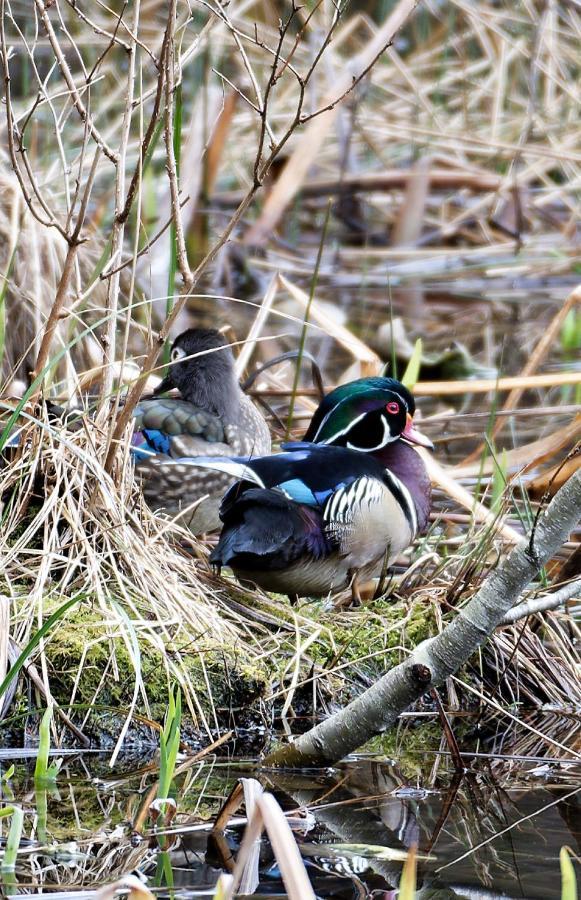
(201, 368)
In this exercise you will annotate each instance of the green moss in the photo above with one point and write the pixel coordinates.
(360, 636)
(108, 673)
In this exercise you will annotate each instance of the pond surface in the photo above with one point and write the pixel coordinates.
(494, 830)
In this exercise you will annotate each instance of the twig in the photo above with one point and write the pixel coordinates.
(11, 130)
(155, 349)
(169, 77)
(312, 138)
(518, 383)
(543, 603)
(41, 9)
(393, 179)
(118, 231)
(149, 132)
(260, 172)
(63, 286)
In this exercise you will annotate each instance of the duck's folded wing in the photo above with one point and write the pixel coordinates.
(235, 467)
(291, 473)
(176, 417)
(264, 529)
(176, 428)
(276, 474)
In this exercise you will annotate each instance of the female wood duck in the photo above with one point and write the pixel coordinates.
(323, 515)
(211, 417)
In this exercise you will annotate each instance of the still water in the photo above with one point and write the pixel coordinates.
(494, 830)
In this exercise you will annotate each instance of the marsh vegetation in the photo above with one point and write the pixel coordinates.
(368, 185)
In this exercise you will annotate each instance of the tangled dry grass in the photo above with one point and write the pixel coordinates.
(72, 531)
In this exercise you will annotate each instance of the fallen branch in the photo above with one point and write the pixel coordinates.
(436, 659)
(386, 181)
(544, 603)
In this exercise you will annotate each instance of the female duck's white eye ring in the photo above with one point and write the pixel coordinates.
(177, 353)
(392, 407)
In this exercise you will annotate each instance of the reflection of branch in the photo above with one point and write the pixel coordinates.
(516, 824)
(543, 603)
(437, 658)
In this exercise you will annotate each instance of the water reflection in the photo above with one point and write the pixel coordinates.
(497, 826)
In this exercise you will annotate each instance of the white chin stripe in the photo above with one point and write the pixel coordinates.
(404, 498)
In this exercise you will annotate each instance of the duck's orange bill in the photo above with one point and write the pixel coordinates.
(414, 436)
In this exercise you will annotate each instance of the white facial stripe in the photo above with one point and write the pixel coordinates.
(354, 422)
(339, 433)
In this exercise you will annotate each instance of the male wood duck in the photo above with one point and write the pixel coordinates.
(322, 515)
(211, 417)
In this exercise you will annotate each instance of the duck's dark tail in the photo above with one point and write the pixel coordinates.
(264, 529)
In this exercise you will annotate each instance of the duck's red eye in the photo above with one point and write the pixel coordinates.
(392, 407)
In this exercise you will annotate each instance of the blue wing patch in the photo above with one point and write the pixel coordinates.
(149, 441)
(300, 492)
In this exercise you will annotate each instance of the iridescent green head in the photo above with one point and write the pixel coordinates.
(366, 415)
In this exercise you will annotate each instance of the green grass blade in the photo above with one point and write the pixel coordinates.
(568, 879)
(499, 480)
(14, 837)
(43, 773)
(35, 641)
(169, 743)
(412, 372)
(41, 767)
